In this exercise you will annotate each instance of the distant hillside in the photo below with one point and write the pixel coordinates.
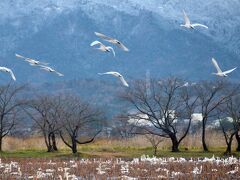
(60, 32)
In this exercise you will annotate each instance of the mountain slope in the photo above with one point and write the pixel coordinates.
(60, 32)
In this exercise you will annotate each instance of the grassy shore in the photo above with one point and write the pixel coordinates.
(124, 152)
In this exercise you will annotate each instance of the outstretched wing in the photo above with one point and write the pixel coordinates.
(229, 71)
(120, 45)
(2, 68)
(200, 25)
(46, 68)
(124, 82)
(96, 43)
(103, 36)
(216, 65)
(106, 73)
(186, 19)
(112, 50)
(12, 75)
(58, 73)
(19, 56)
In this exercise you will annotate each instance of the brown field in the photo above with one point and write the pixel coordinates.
(137, 168)
(100, 160)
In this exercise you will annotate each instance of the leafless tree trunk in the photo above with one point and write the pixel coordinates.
(9, 108)
(54, 144)
(164, 108)
(237, 135)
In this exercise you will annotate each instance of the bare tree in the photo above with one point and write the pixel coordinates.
(237, 135)
(211, 96)
(123, 127)
(229, 131)
(45, 111)
(154, 140)
(231, 112)
(78, 118)
(234, 112)
(9, 108)
(167, 107)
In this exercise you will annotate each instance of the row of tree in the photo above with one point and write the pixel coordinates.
(167, 107)
(66, 116)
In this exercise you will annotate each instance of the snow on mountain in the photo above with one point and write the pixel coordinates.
(60, 32)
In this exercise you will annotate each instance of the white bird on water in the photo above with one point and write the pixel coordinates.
(188, 23)
(219, 71)
(102, 47)
(118, 75)
(49, 69)
(31, 61)
(7, 70)
(112, 40)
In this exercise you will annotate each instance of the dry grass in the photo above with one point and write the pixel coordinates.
(30, 143)
(214, 140)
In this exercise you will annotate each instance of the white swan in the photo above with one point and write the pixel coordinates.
(118, 75)
(187, 84)
(49, 69)
(31, 61)
(7, 70)
(102, 47)
(188, 23)
(219, 71)
(112, 40)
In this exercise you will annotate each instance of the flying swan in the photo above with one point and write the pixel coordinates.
(188, 23)
(102, 47)
(49, 69)
(7, 70)
(112, 40)
(31, 61)
(219, 71)
(118, 75)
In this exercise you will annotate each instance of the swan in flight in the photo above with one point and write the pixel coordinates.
(118, 75)
(112, 40)
(102, 47)
(187, 84)
(7, 70)
(219, 71)
(49, 69)
(32, 62)
(188, 23)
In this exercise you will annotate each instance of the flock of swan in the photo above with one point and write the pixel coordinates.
(102, 47)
